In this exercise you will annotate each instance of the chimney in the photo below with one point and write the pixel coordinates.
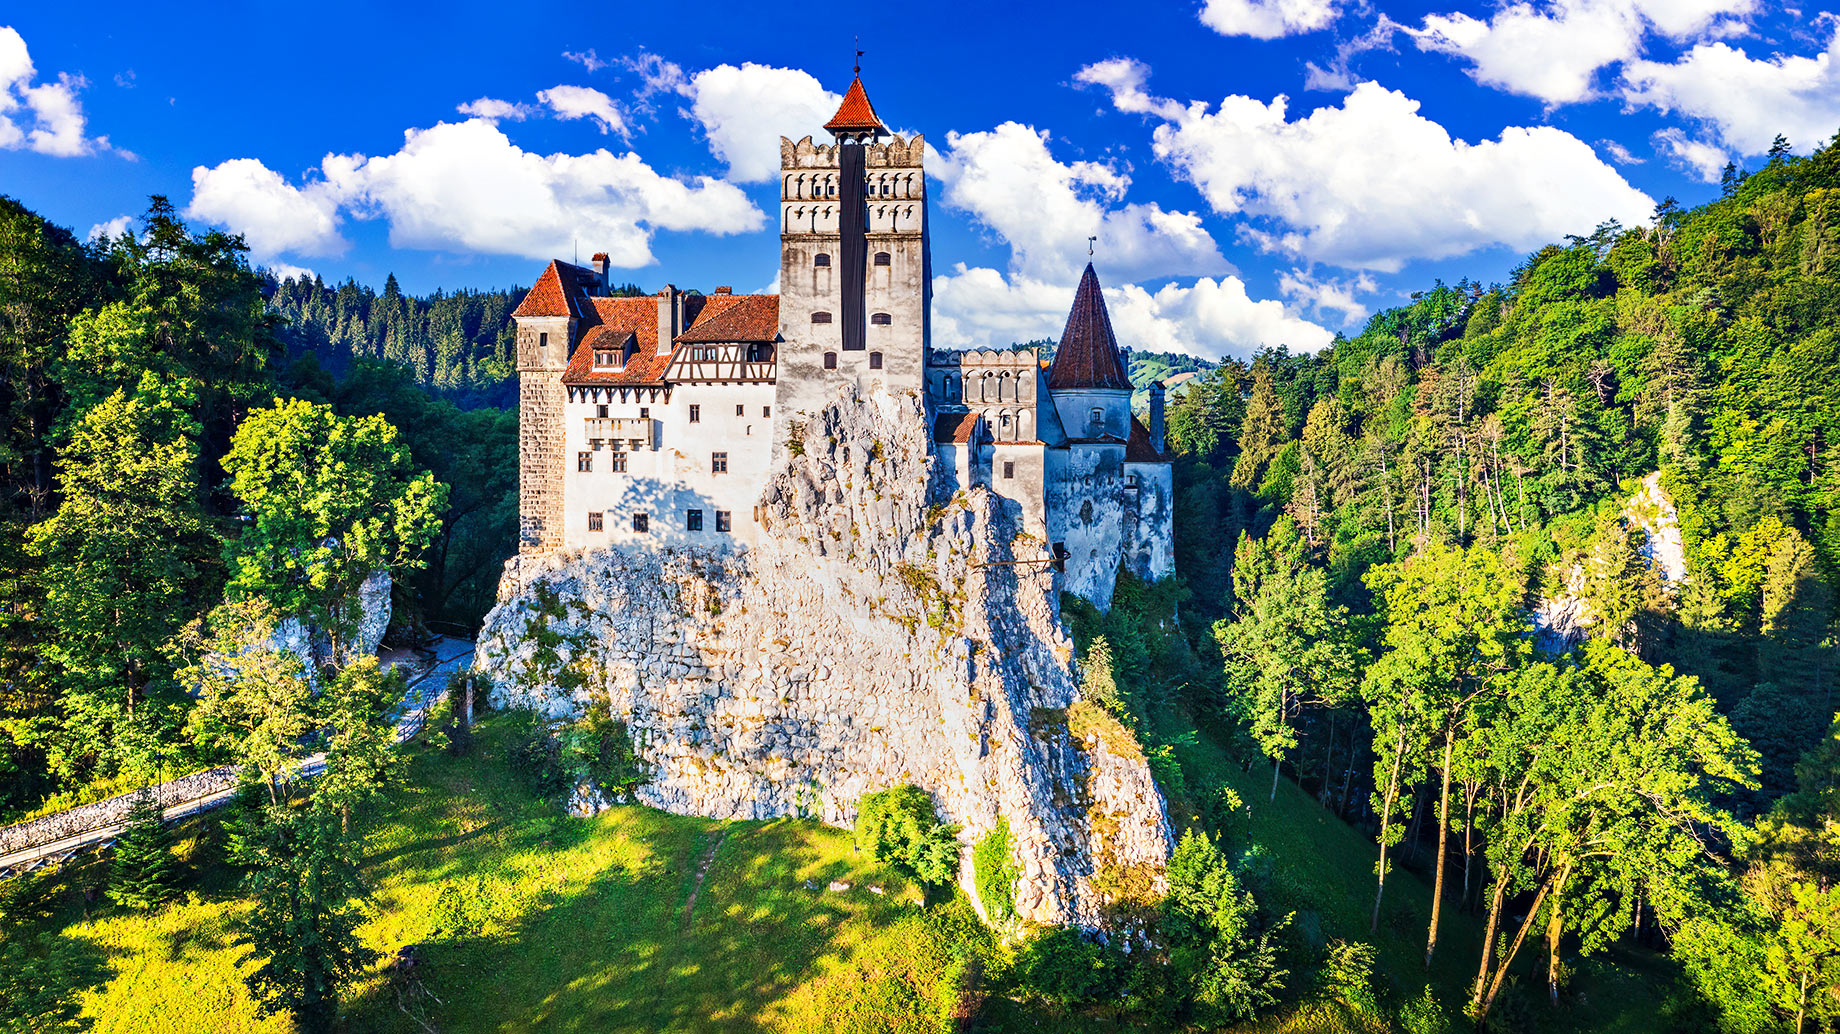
(724, 290)
(1156, 416)
(601, 265)
(669, 307)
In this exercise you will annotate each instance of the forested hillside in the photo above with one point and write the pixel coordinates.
(149, 473)
(1406, 500)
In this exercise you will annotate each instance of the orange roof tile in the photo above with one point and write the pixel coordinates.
(612, 322)
(738, 317)
(1139, 449)
(955, 428)
(855, 114)
(548, 296)
(1087, 356)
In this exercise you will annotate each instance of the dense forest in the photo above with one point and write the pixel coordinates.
(1529, 588)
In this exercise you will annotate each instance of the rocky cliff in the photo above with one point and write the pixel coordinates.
(863, 644)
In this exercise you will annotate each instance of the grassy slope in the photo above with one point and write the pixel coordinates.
(527, 921)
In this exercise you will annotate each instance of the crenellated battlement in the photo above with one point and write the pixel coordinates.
(899, 152)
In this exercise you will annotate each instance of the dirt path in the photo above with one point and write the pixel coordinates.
(702, 873)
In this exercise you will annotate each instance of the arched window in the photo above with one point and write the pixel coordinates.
(882, 258)
(1003, 392)
(830, 360)
(821, 259)
(825, 317)
(881, 319)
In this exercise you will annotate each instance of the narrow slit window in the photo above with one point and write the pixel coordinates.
(696, 414)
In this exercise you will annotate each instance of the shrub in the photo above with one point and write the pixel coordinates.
(993, 864)
(144, 871)
(1347, 975)
(898, 826)
(1215, 941)
(1423, 1015)
(1063, 967)
(598, 750)
(536, 755)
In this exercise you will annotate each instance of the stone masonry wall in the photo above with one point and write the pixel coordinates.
(857, 647)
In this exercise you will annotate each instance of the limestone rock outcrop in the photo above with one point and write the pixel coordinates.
(877, 635)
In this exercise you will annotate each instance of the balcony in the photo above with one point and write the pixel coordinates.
(626, 429)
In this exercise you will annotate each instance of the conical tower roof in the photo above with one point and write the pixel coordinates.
(855, 114)
(1088, 355)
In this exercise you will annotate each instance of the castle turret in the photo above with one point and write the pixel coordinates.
(1091, 390)
(546, 323)
(855, 269)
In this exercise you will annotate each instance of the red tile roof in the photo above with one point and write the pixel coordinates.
(955, 428)
(548, 296)
(1088, 353)
(736, 317)
(855, 114)
(611, 322)
(1139, 449)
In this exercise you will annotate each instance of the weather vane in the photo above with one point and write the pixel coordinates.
(859, 53)
(1089, 246)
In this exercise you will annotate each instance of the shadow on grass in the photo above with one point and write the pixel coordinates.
(616, 952)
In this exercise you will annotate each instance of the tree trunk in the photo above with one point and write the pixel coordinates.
(1555, 931)
(1386, 816)
(1437, 884)
(1488, 936)
(1501, 972)
(1276, 764)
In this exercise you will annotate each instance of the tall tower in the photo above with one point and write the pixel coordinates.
(855, 270)
(546, 321)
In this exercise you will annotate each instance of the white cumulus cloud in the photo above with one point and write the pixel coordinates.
(1553, 50)
(1745, 100)
(46, 117)
(572, 102)
(272, 214)
(494, 110)
(979, 307)
(745, 110)
(1268, 19)
(1323, 295)
(1697, 158)
(1372, 184)
(466, 187)
(1046, 209)
(113, 229)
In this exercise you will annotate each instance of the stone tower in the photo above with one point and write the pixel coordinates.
(546, 322)
(855, 270)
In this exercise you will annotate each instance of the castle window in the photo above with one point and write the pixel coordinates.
(1009, 468)
(1130, 482)
(718, 463)
(830, 360)
(882, 257)
(645, 413)
(724, 520)
(600, 411)
(693, 520)
(881, 319)
(696, 414)
(766, 411)
(605, 357)
(543, 344)
(584, 461)
(1086, 511)
(594, 521)
(1096, 417)
(820, 317)
(821, 259)
(831, 191)
(875, 360)
(740, 410)
(617, 462)
(642, 522)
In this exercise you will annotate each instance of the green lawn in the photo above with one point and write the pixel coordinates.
(524, 920)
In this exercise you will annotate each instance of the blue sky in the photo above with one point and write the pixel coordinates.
(1257, 171)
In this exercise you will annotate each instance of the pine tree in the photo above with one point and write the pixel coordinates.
(144, 871)
(1262, 432)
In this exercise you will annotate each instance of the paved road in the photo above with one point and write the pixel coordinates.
(428, 672)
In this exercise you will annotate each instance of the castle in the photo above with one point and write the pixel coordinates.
(654, 420)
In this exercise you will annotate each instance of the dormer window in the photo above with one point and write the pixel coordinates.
(821, 259)
(881, 257)
(881, 319)
(820, 317)
(606, 357)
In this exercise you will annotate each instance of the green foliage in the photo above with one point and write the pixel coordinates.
(599, 751)
(330, 499)
(144, 872)
(302, 928)
(1060, 965)
(993, 864)
(898, 826)
(1423, 1015)
(254, 701)
(1347, 975)
(1228, 958)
